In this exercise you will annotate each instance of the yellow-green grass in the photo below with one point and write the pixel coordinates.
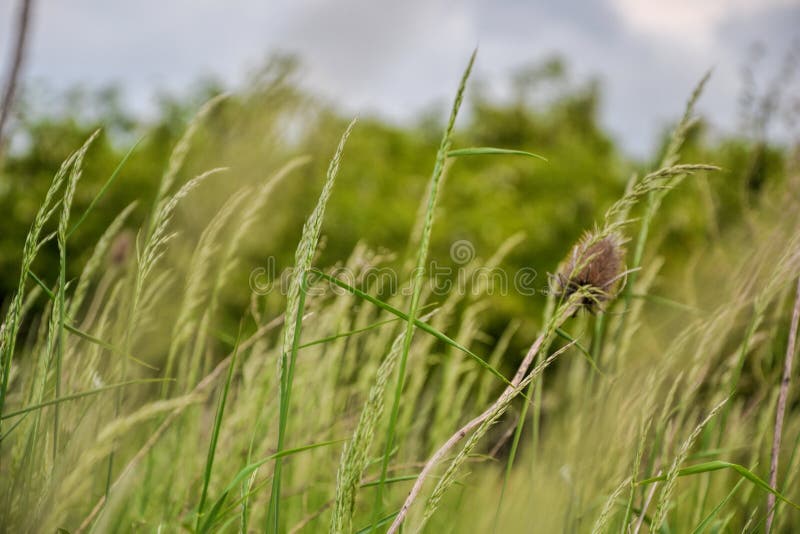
(126, 406)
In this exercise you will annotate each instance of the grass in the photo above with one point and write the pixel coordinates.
(293, 323)
(124, 408)
(418, 275)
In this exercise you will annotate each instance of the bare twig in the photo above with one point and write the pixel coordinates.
(781, 410)
(16, 66)
(503, 440)
(511, 390)
(647, 501)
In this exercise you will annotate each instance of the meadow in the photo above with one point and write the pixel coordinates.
(281, 334)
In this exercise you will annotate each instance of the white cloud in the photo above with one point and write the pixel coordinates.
(689, 23)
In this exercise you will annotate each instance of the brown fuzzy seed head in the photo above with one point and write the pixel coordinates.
(596, 263)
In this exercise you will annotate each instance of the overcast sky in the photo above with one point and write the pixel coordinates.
(396, 58)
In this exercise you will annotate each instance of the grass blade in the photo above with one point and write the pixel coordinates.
(80, 395)
(379, 523)
(490, 151)
(566, 336)
(30, 249)
(716, 465)
(422, 255)
(655, 197)
(85, 335)
(104, 188)
(61, 295)
(212, 446)
(347, 334)
(248, 470)
(425, 327)
(710, 517)
(295, 304)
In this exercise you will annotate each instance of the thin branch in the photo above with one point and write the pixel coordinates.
(510, 391)
(503, 440)
(16, 65)
(781, 410)
(643, 512)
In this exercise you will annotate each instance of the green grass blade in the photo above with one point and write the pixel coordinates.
(212, 446)
(654, 198)
(33, 242)
(295, 304)
(667, 302)
(379, 523)
(104, 188)
(10, 430)
(248, 470)
(564, 335)
(710, 517)
(85, 335)
(389, 480)
(60, 305)
(106, 345)
(41, 284)
(490, 151)
(425, 327)
(418, 273)
(82, 394)
(286, 387)
(347, 334)
(716, 465)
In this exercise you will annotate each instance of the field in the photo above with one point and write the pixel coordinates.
(179, 355)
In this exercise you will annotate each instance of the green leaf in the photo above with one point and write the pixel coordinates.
(491, 151)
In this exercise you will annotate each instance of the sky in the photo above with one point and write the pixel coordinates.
(398, 58)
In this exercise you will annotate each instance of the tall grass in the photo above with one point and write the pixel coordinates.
(126, 404)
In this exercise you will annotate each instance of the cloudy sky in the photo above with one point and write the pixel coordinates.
(396, 58)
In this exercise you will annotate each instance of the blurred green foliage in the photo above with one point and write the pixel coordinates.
(383, 175)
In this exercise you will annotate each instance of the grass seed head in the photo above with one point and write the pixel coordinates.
(596, 265)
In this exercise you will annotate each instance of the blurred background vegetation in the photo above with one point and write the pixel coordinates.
(381, 183)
